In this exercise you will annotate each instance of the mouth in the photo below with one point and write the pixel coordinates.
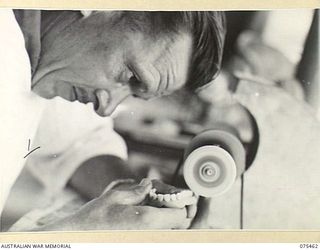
(83, 96)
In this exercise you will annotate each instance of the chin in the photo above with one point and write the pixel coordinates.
(43, 91)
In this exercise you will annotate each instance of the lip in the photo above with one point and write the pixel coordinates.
(95, 103)
(81, 95)
(75, 93)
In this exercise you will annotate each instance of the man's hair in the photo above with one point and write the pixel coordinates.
(208, 29)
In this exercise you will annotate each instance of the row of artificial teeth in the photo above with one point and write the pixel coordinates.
(170, 197)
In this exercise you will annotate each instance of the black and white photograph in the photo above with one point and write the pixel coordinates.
(159, 120)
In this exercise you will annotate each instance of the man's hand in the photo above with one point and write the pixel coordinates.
(120, 208)
(202, 219)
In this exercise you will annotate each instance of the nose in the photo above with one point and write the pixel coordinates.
(108, 100)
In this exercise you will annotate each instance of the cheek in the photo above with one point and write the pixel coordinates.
(106, 56)
(50, 87)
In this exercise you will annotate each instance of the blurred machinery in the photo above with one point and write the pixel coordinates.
(212, 162)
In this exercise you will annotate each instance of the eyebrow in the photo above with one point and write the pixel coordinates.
(144, 76)
(164, 82)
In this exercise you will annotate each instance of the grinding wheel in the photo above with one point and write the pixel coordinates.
(212, 162)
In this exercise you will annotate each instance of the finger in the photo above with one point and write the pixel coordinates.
(115, 183)
(167, 218)
(130, 196)
(181, 203)
(202, 215)
(190, 200)
(182, 222)
(185, 224)
(191, 211)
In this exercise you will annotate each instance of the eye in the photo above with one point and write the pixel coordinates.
(133, 81)
(137, 86)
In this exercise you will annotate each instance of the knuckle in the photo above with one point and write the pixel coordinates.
(114, 193)
(138, 190)
(114, 196)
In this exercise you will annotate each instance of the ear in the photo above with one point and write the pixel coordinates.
(86, 13)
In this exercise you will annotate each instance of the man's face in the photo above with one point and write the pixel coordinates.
(100, 60)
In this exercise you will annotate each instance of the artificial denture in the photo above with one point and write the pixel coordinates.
(164, 195)
(154, 195)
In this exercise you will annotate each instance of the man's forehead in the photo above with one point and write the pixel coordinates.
(164, 63)
(175, 59)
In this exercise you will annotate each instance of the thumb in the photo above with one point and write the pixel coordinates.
(133, 195)
(201, 219)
